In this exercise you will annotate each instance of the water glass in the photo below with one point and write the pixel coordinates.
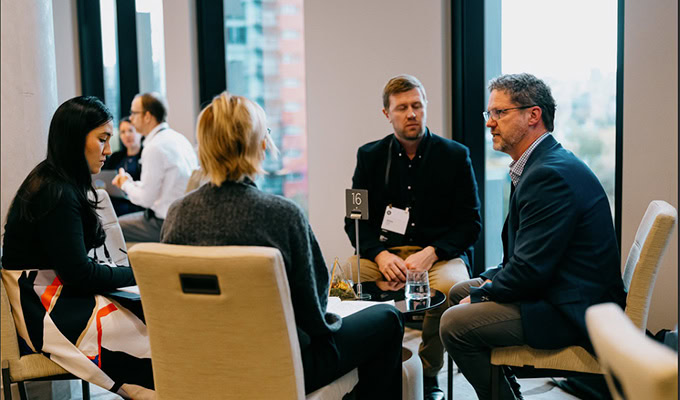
(417, 285)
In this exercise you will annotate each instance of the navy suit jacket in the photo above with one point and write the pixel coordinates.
(560, 250)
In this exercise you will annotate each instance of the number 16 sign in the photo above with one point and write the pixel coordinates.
(356, 203)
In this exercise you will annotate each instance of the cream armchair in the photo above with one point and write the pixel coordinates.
(221, 324)
(635, 366)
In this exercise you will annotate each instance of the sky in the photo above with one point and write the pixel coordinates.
(559, 38)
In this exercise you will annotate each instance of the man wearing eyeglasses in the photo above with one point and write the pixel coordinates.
(560, 253)
(167, 162)
(423, 209)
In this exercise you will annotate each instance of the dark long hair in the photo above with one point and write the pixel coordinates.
(66, 164)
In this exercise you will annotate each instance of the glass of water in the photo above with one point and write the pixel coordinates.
(417, 285)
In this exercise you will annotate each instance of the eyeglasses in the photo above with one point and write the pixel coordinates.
(496, 114)
(136, 112)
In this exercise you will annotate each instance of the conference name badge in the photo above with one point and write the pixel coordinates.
(395, 220)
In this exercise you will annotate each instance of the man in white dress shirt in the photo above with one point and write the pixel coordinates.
(167, 162)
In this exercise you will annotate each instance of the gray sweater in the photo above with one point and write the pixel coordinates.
(240, 214)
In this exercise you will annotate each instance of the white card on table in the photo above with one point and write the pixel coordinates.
(395, 220)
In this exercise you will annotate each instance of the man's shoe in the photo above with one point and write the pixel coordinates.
(431, 388)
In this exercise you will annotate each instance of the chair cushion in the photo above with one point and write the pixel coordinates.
(572, 358)
(33, 366)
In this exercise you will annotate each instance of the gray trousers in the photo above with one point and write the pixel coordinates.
(141, 227)
(470, 331)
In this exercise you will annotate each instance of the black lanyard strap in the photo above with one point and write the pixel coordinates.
(389, 164)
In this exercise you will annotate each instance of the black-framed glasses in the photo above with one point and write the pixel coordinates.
(496, 114)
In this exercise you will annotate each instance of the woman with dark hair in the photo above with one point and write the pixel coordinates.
(54, 287)
(128, 159)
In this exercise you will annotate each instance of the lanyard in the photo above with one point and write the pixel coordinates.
(389, 165)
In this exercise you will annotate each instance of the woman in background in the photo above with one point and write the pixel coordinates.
(231, 210)
(128, 159)
(54, 287)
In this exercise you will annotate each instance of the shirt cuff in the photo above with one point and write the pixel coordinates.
(479, 294)
(126, 185)
(372, 253)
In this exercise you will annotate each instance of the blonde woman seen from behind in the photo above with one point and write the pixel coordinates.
(231, 210)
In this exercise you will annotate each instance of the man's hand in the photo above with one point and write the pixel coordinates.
(391, 266)
(422, 260)
(121, 178)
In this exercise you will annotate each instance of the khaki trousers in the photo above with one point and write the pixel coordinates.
(443, 275)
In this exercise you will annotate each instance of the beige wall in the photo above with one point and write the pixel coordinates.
(650, 135)
(352, 48)
(181, 66)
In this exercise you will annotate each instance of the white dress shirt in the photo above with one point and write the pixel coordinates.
(167, 162)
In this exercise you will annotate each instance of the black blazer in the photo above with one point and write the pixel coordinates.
(560, 250)
(446, 212)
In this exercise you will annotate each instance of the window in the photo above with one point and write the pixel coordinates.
(258, 42)
(290, 34)
(236, 35)
(131, 52)
(110, 60)
(289, 9)
(291, 83)
(576, 55)
(150, 46)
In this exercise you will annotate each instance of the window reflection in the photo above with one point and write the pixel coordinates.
(264, 46)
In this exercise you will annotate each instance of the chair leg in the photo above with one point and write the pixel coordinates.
(450, 376)
(22, 391)
(86, 389)
(6, 384)
(495, 381)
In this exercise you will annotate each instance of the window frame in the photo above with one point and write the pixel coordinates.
(469, 65)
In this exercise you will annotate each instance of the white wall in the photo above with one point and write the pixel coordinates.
(650, 135)
(352, 49)
(181, 66)
(29, 91)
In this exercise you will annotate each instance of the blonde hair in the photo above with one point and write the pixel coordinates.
(230, 133)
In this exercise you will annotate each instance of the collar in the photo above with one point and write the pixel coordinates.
(160, 127)
(517, 167)
(398, 149)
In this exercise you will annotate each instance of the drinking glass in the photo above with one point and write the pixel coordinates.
(417, 285)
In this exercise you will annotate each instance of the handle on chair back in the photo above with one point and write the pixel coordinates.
(199, 284)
